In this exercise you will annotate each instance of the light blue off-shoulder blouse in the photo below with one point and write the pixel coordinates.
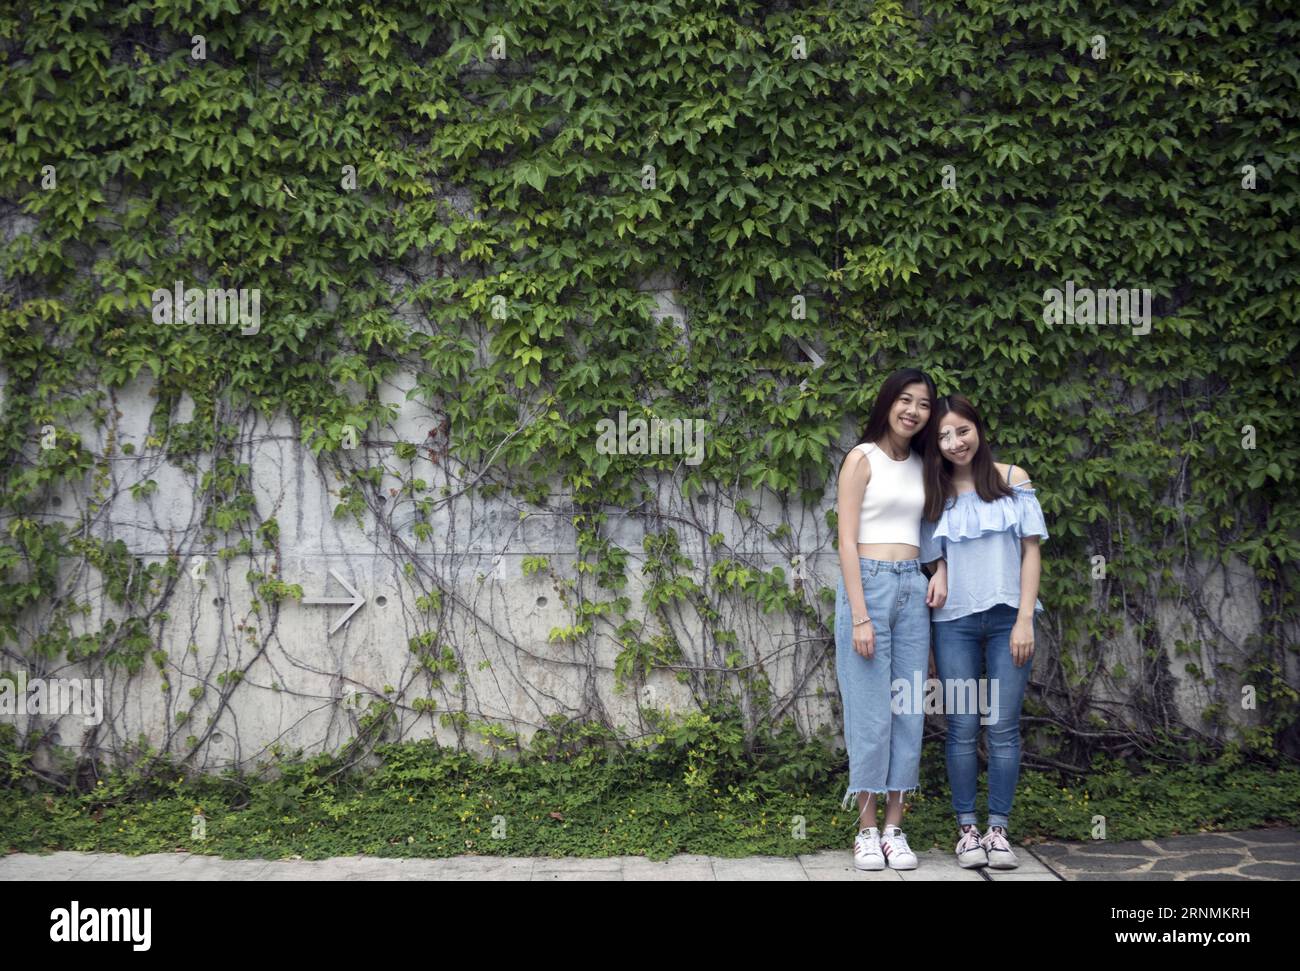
(981, 542)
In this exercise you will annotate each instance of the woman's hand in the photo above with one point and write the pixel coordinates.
(1022, 640)
(937, 595)
(864, 639)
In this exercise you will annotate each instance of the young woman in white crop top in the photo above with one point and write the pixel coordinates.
(882, 612)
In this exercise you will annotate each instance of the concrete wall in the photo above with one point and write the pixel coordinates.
(298, 682)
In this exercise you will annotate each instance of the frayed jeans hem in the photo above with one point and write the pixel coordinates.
(844, 804)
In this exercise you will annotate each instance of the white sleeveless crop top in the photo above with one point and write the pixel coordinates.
(894, 500)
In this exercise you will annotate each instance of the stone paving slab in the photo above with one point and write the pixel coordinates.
(1261, 854)
(940, 865)
(760, 868)
(684, 866)
(63, 865)
(1270, 854)
(165, 866)
(838, 865)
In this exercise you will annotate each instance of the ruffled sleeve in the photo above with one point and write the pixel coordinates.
(1029, 514)
(932, 547)
(970, 517)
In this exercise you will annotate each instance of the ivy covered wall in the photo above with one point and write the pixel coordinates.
(477, 232)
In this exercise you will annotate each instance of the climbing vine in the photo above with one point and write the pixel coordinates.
(473, 205)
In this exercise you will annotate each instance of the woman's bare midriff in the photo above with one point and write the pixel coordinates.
(891, 552)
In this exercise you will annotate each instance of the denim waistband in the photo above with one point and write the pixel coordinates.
(892, 566)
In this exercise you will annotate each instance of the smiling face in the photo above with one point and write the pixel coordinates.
(958, 439)
(911, 410)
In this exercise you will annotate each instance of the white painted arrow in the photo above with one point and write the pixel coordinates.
(813, 356)
(355, 601)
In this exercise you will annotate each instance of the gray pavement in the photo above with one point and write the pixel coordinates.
(1270, 854)
(1258, 854)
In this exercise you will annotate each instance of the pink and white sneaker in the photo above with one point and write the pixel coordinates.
(898, 854)
(970, 851)
(999, 850)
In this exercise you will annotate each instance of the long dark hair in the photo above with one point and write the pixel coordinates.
(939, 487)
(878, 421)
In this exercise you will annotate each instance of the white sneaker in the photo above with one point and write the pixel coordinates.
(866, 850)
(999, 850)
(970, 851)
(898, 854)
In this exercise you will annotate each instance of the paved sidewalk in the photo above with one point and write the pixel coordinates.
(1257, 854)
(1272, 854)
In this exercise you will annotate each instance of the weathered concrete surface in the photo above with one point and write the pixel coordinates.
(502, 626)
(1272, 854)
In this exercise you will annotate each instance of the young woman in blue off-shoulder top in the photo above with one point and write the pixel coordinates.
(981, 529)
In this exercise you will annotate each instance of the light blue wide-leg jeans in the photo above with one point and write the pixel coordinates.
(884, 747)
